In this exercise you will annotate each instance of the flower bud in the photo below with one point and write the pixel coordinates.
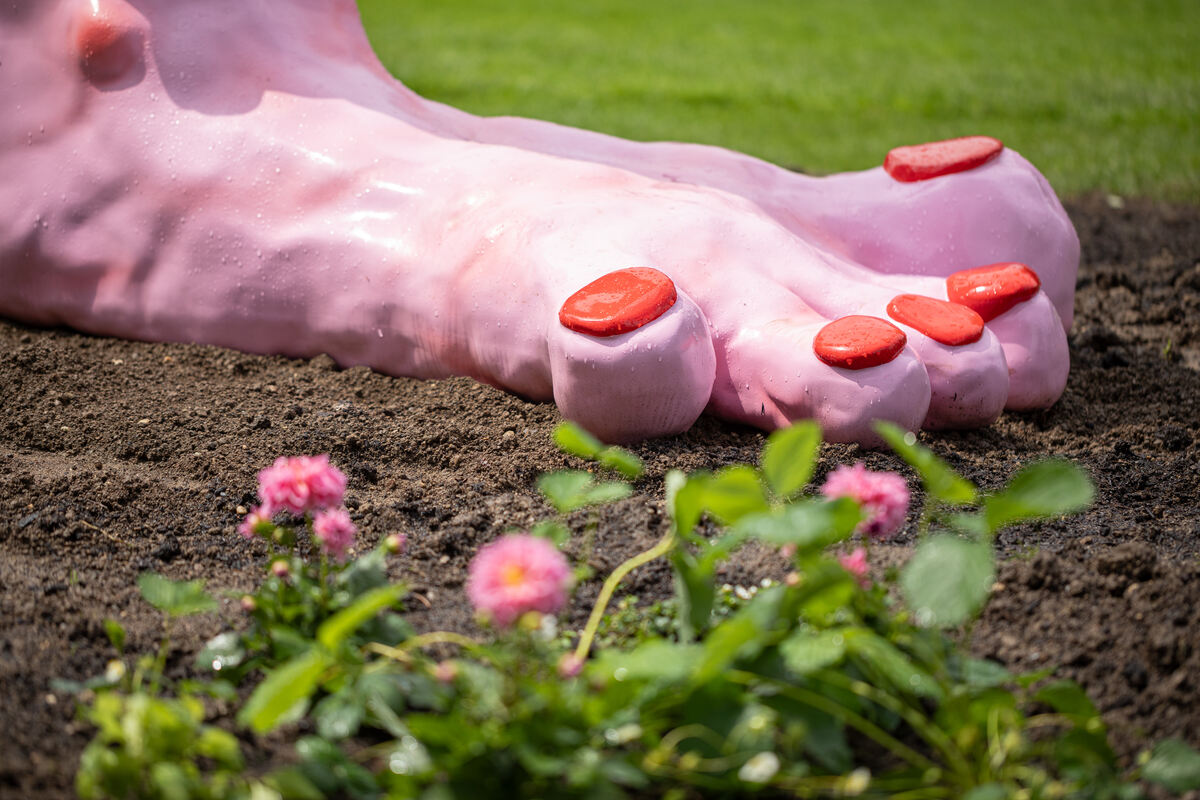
(445, 672)
(249, 604)
(280, 569)
(570, 665)
(395, 543)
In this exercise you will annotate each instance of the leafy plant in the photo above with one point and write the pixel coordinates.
(822, 685)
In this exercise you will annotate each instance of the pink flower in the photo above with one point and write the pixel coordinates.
(883, 496)
(570, 665)
(445, 672)
(856, 565)
(335, 532)
(515, 574)
(256, 523)
(300, 484)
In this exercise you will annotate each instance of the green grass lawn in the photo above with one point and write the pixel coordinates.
(1100, 94)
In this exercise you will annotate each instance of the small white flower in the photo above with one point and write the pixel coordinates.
(759, 768)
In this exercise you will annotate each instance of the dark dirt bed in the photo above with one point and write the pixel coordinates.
(118, 457)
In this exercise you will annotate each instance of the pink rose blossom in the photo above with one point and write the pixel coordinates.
(300, 484)
(334, 531)
(256, 523)
(515, 574)
(883, 496)
(856, 565)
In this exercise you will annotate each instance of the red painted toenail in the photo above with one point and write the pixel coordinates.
(108, 42)
(993, 289)
(859, 342)
(921, 162)
(948, 323)
(619, 302)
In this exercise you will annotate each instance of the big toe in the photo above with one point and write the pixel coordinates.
(631, 357)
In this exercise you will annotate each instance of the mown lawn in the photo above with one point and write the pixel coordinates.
(1101, 94)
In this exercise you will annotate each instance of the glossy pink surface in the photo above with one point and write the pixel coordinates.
(244, 173)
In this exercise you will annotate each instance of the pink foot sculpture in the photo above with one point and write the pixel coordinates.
(245, 173)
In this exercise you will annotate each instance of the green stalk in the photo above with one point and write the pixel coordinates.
(610, 585)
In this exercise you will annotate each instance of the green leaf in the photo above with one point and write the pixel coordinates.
(740, 636)
(988, 791)
(1069, 698)
(622, 461)
(789, 457)
(334, 630)
(223, 651)
(695, 592)
(891, 663)
(176, 598)
(283, 690)
(948, 579)
(981, 673)
(685, 499)
(221, 746)
(556, 532)
(808, 524)
(339, 715)
(653, 660)
(291, 784)
(807, 651)
(733, 493)
(608, 492)
(573, 439)
(1174, 766)
(564, 488)
(941, 482)
(116, 634)
(568, 490)
(1046, 489)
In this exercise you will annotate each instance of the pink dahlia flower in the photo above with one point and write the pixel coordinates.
(300, 484)
(256, 523)
(334, 531)
(856, 565)
(883, 496)
(515, 574)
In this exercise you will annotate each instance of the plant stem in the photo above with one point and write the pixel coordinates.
(610, 585)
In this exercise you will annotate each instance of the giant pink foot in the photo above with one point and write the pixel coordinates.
(222, 173)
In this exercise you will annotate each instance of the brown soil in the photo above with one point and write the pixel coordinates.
(118, 457)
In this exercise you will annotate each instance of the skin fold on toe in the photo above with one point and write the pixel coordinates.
(281, 194)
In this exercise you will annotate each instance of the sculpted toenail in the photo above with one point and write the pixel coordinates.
(858, 342)
(993, 289)
(948, 323)
(921, 162)
(108, 41)
(619, 302)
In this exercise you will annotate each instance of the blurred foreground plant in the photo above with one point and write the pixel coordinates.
(824, 685)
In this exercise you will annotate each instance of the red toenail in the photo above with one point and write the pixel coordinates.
(948, 323)
(920, 162)
(108, 43)
(993, 289)
(859, 342)
(619, 302)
